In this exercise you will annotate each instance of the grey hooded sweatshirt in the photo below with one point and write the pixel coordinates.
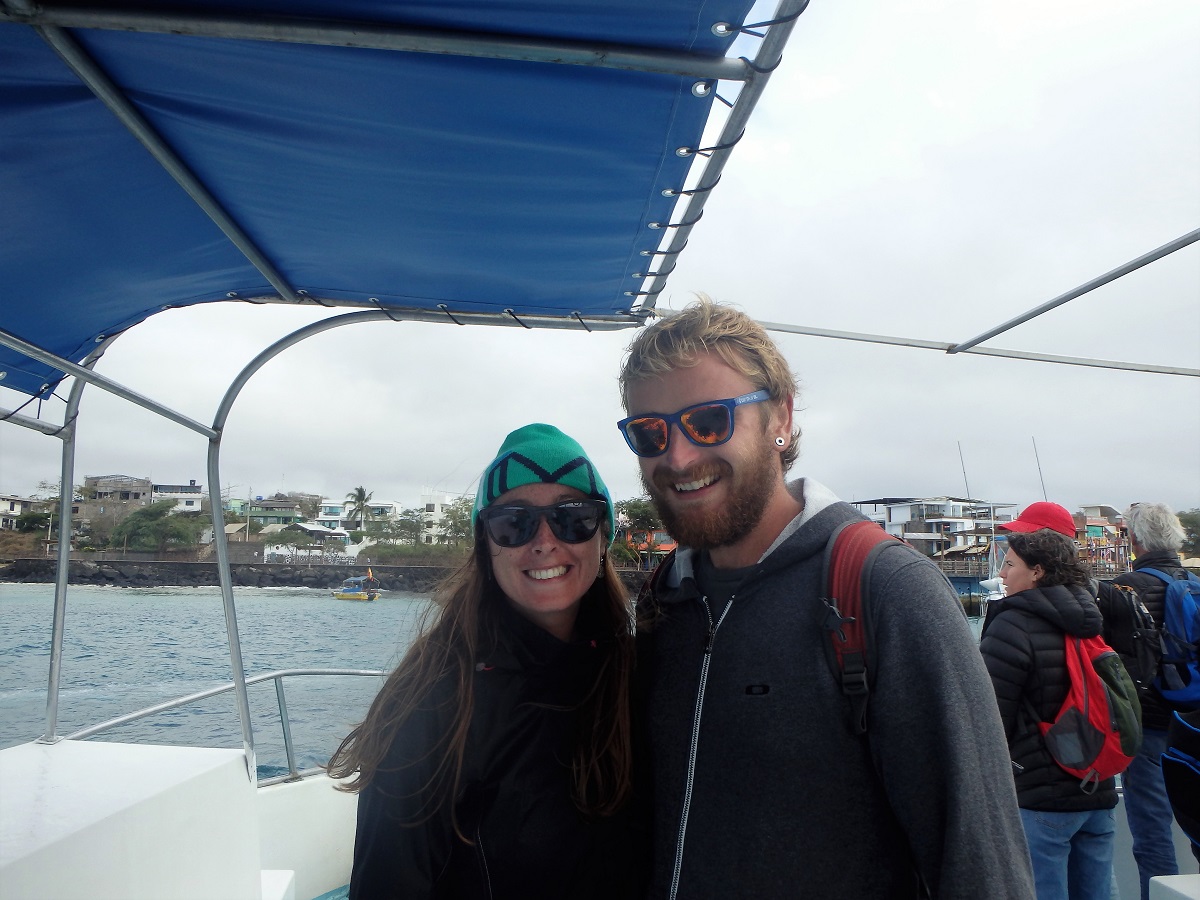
(760, 787)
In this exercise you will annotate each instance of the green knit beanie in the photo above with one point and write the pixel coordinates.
(540, 454)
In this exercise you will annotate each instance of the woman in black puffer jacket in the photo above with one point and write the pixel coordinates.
(1070, 832)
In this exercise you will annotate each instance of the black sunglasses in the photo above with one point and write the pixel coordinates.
(705, 424)
(572, 521)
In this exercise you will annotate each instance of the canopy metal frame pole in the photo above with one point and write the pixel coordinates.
(944, 347)
(768, 57)
(15, 418)
(382, 36)
(220, 539)
(66, 490)
(66, 497)
(83, 373)
(1166, 249)
(225, 578)
(120, 106)
(572, 322)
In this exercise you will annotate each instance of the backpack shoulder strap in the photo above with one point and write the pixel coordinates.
(849, 556)
(649, 589)
(1159, 574)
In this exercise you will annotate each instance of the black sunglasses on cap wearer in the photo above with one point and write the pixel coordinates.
(571, 521)
(704, 424)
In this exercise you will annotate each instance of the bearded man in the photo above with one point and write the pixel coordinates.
(761, 787)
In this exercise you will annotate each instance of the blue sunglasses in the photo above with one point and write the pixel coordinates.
(705, 425)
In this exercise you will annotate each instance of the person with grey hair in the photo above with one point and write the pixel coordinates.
(1156, 537)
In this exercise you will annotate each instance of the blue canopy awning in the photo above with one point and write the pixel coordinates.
(469, 174)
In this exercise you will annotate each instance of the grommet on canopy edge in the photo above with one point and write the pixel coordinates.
(302, 294)
(671, 192)
(383, 309)
(643, 293)
(518, 321)
(723, 29)
(446, 309)
(687, 224)
(659, 274)
(702, 89)
(575, 314)
(234, 295)
(664, 252)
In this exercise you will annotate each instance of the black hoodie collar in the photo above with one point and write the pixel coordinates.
(1070, 607)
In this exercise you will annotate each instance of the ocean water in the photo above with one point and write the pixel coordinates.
(125, 649)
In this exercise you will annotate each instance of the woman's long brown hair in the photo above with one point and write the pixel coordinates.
(463, 619)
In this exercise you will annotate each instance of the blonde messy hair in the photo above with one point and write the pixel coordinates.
(707, 327)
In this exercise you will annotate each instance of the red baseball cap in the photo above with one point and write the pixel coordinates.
(1042, 515)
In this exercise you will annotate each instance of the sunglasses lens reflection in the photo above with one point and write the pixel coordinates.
(571, 522)
(704, 425)
(574, 524)
(511, 527)
(648, 435)
(707, 424)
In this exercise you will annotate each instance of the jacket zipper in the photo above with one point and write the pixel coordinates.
(487, 876)
(691, 767)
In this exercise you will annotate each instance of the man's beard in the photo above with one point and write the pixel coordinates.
(706, 528)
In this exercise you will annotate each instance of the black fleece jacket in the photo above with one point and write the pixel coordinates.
(528, 840)
(1156, 712)
(1022, 646)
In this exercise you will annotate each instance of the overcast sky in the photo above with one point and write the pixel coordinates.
(927, 170)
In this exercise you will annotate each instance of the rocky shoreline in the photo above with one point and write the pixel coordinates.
(130, 574)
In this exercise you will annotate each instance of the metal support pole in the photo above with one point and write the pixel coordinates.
(61, 576)
(237, 667)
(382, 36)
(119, 105)
(944, 347)
(83, 373)
(287, 729)
(66, 493)
(768, 57)
(1158, 253)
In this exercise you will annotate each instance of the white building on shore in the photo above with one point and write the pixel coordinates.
(939, 526)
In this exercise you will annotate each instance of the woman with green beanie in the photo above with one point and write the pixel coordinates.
(496, 761)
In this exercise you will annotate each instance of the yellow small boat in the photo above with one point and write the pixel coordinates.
(360, 587)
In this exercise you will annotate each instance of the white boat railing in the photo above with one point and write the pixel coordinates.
(294, 773)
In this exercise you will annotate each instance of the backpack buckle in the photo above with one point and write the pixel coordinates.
(854, 675)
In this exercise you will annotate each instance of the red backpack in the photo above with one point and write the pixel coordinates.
(1095, 734)
(1098, 728)
(849, 557)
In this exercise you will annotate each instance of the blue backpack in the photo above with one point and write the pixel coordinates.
(1179, 672)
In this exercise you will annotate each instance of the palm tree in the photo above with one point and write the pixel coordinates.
(309, 504)
(359, 508)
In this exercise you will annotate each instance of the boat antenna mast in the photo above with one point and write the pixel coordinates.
(1039, 468)
(963, 463)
